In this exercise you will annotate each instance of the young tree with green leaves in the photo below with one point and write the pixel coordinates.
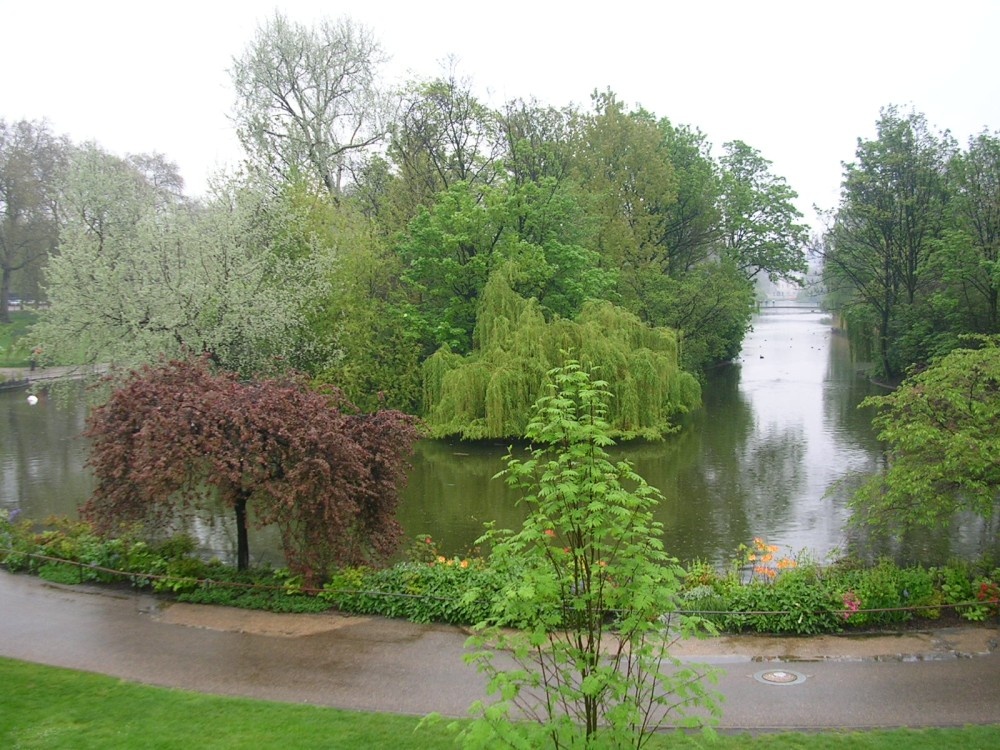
(577, 650)
(942, 427)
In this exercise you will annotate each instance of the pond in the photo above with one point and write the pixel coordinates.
(773, 453)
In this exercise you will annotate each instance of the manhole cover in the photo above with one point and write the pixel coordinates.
(779, 677)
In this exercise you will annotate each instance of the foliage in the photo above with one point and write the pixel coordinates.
(710, 308)
(885, 232)
(14, 351)
(450, 590)
(757, 595)
(307, 99)
(491, 392)
(32, 160)
(587, 581)
(760, 224)
(941, 429)
(264, 589)
(141, 273)
(330, 480)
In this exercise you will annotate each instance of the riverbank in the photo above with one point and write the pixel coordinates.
(12, 378)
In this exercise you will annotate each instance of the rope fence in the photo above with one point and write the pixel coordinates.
(148, 578)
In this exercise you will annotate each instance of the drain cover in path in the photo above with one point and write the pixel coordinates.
(780, 677)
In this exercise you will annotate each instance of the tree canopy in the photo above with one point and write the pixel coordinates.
(490, 393)
(307, 99)
(32, 162)
(176, 435)
(942, 428)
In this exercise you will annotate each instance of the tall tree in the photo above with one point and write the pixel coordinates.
(308, 99)
(329, 479)
(760, 224)
(538, 141)
(32, 160)
(890, 215)
(975, 176)
(623, 165)
(140, 274)
(444, 135)
(692, 224)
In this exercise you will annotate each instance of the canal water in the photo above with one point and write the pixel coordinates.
(774, 453)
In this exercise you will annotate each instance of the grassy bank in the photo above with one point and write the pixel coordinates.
(13, 353)
(46, 707)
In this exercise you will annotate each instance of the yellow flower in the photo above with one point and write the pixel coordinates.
(464, 564)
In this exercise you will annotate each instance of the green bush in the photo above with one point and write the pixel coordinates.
(797, 601)
(455, 591)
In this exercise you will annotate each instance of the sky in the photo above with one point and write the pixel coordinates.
(800, 81)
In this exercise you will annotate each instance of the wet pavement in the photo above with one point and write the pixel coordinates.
(947, 677)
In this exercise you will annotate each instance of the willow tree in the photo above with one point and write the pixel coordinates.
(490, 393)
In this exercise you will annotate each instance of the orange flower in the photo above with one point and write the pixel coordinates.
(464, 564)
(550, 532)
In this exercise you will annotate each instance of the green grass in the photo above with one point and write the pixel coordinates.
(46, 707)
(12, 355)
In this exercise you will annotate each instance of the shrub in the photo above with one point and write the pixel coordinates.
(797, 601)
(455, 591)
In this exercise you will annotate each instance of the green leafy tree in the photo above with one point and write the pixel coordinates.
(887, 225)
(760, 224)
(692, 224)
(974, 245)
(623, 165)
(577, 648)
(941, 428)
(32, 162)
(444, 135)
(142, 274)
(538, 141)
(710, 307)
(490, 393)
(174, 435)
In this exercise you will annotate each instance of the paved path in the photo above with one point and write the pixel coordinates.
(944, 678)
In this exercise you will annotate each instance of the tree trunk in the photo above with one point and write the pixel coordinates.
(242, 539)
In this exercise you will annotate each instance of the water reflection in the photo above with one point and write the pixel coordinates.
(774, 453)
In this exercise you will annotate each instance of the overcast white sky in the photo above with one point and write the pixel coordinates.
(798, 80)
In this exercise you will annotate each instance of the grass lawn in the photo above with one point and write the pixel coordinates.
(45, 707)
(12, 355)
